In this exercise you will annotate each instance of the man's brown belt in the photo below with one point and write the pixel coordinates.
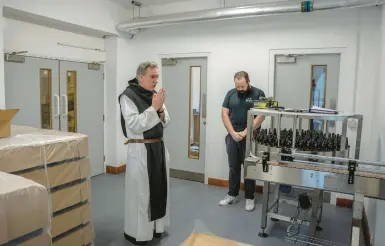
(143, 141)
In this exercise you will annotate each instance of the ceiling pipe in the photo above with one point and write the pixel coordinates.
(134, 26)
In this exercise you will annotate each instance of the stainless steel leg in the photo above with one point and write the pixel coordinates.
(358, 206)
(343, 138)
(265, 205)
(294, 130)
(314, 213)
(276, 194)
(358, 139)
(320, 209)
(300, 124)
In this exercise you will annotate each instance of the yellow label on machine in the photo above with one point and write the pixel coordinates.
(265, 104)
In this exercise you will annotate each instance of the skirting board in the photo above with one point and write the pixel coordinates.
(186, 175)
(116, 170)
(180, 174)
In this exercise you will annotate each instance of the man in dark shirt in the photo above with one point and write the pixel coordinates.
(234, 116)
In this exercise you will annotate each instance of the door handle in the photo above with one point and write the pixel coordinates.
(65, 105)
(57, 113)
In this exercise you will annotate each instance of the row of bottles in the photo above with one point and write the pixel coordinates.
(305, 140)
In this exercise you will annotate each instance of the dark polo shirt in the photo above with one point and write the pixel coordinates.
(238, 106)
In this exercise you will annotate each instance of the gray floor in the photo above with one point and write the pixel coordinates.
(194, 206)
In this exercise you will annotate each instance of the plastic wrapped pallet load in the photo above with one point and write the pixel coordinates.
(24, 212)
(58, 161)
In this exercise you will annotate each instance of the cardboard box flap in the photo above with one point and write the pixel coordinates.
(7, 114)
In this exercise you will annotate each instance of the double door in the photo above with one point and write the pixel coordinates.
(59, 95)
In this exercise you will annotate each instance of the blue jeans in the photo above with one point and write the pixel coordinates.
(236, 156)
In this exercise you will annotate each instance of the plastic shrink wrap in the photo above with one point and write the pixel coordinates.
(24, 212)
(59, 162)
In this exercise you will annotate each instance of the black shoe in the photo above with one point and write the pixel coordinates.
(133, 240)
(157, 235)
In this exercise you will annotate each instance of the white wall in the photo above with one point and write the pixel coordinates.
(100, 15)
(126, 70)
(111, 101)
(43, 42)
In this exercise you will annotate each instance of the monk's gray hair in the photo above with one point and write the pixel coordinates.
(142, 68)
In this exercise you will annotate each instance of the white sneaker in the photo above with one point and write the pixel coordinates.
(250, 205)
(228, 200)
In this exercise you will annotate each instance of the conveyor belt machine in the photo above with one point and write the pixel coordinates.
(316, 174)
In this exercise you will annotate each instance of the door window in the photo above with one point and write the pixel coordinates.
(318, 92)
(71, 101)
(194, 112)
(45, 98)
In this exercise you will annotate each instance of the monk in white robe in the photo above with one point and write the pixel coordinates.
(147, 193)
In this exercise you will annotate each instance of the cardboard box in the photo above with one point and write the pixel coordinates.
(70, 219)
(42, 240)
(70, 196)
(60, 174)
(6, 115)
(24, 207)
(80, 237)
(197, 239)
(29, 147)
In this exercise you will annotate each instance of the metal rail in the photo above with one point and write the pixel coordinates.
(330, 158)
(334, 166)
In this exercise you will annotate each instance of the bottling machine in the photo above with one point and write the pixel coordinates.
(311, 172)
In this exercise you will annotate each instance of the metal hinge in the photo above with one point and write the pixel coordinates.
(103, 117)
(103, 75)
(104, 158)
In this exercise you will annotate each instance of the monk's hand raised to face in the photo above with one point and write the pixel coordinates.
(158, 99)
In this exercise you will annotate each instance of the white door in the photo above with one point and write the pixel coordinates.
(309, 80)
(32, 85)
(185, 82)
(58, 95)
(81, 95)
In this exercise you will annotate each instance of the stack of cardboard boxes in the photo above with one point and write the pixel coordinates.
(59, 162)
(21, 201)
